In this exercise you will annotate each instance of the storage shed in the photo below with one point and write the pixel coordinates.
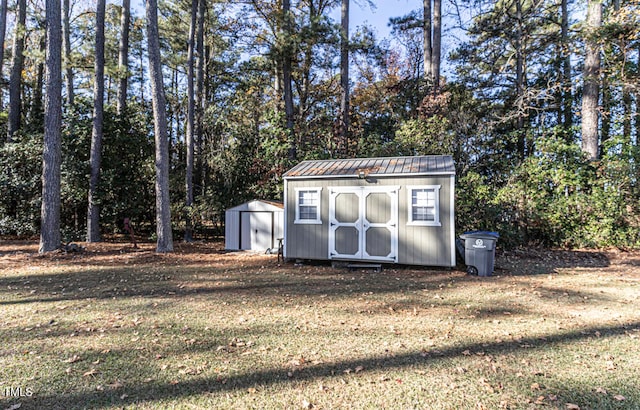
(390, 210)
(255, 225)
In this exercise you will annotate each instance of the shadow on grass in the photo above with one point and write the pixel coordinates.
(231, 283)
(535, 261)
(171, 281)
(153, 391)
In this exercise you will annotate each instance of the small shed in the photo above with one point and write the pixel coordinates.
(255, 225)
(384, 210)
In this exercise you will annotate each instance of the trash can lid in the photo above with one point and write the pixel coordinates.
(473, 234)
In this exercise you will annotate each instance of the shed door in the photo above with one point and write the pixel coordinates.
(256, 230)
(363, 223)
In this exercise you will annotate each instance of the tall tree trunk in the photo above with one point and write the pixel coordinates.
(51, 154)
(66, 32)
(627, 113)
(432, 41)
(437, 44)
(591, 81)
(15, 80)
(200, 99)
(172, 114)
(163, 210)
(142, 80)
(567, 100)
(626, 119)
(123, 56)
(93, 210)
(606, 114)
(344, 77)
(3, 30)
(191, 117)
(426, 39)
(36, 103)
(637, 98)
(520, 80)
(286, 78)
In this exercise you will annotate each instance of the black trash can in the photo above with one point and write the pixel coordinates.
(480, 252)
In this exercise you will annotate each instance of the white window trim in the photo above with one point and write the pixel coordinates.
(410, 221)
(318, 220)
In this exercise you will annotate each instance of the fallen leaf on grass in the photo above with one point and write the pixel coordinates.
(571, 406)
(73, 359)
(91, 372)
(297, 362)
(601, 390)
(116, 385)
(359, 369)
(486, 384)
(306, 405)
(619, 397)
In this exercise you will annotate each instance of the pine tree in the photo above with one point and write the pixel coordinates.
(163, 204)
(51, 156)
(591, 81)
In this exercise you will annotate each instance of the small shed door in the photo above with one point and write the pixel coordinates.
(256, 230)
(363, 223)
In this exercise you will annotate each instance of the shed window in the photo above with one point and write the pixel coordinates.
(424, 205)
(308, 206)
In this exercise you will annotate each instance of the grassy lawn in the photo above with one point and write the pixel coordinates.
(115, 327)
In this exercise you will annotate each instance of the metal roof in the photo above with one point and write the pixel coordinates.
(390, 166)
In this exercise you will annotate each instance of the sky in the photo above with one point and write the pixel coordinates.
(360, 13)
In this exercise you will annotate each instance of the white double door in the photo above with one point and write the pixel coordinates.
(363, 223)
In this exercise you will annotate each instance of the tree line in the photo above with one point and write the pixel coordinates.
(170, 117)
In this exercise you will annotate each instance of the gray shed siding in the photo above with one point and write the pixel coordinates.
(416, 245)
